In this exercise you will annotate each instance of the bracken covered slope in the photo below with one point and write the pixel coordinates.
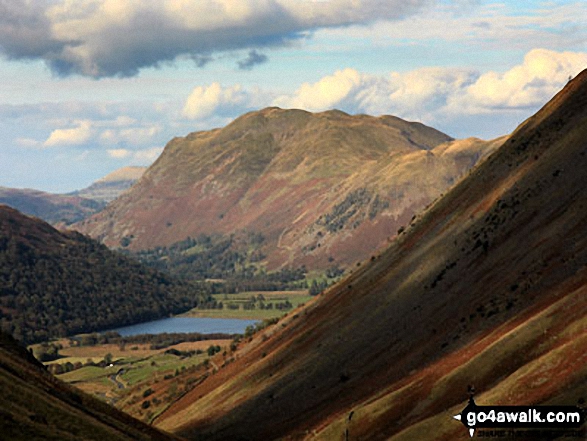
(34, 405)
(320, 188)
(487, 288)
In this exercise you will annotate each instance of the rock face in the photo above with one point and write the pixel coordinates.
(112, 185)
(320, 188)
(487, 288)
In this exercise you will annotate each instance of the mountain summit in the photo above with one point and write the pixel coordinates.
(320, 188)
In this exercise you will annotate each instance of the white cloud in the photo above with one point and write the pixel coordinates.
(28, 142)
(74, 136)
(129, 135)
(118, 37)
(147, 156)
(431, 94)
(529, 84)
(119, 153)
(138, 157)
(203, 101)
(326, 93)
(526, 25)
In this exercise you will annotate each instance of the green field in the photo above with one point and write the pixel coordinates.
(134, 371)
(235, 305)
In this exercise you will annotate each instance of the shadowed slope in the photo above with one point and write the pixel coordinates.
(34, 405)
(488, 287)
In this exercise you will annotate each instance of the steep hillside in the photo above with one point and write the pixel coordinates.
(487, 288)
(55, 284)
(320, 188)
(36, 406)
(57, 209)
(112, 185)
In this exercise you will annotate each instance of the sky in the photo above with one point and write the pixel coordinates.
(89, 86)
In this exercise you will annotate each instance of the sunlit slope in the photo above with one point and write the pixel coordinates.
(36, 406)
(486, 288)
(321, 188)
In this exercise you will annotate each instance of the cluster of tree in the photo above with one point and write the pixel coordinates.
(377, 206)
(259, 326)
(213, 350)
(47, 352)
(337, 218)
(232, 259)
(184, 354)
(68, 366)
(261, 304)
(318, 286)
(56, 284)
(254, 302)
(156, 341)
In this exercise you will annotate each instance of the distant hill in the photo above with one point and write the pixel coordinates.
(56, 284)
(34, 405)
(321, 189)
(111, 186)
(57, 209)
(487, 288)
(65, 209)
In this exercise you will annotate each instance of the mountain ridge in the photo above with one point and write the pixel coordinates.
(310, 183)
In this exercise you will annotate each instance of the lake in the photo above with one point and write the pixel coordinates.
(187, 324)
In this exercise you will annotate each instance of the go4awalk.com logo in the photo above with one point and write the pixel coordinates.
(520, 417)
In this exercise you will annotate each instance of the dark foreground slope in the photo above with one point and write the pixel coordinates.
(488, 287)
(56, 284)
(36, 406)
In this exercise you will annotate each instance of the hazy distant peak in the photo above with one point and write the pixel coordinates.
(130, 173)
(109, 187)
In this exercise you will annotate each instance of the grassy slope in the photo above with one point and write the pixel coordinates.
(495, 271)
(36, 406)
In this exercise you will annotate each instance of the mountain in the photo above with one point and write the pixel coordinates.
(61, 283)
(66, 209)
(57, 209)
(112, 185)
(322, 189)
(488, 287)
(34, 405)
